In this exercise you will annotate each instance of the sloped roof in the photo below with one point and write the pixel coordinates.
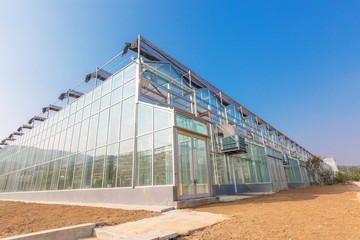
(152, 52)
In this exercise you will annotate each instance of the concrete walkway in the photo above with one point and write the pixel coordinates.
(167, 225)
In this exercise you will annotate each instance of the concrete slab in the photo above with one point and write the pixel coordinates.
(165, 226)
(106, 205)
(65, 233)
(240, 196)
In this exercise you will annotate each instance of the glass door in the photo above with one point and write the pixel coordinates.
(193, 166)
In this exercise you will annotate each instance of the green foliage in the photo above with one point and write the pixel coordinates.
(341, 178)
(349, 173)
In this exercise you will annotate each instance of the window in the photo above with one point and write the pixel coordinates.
(163, 162)
(144, 161)
(110, 165)
(97, 178)
(125, 162)
(114, 123)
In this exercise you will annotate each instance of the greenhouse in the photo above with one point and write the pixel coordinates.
(145, 129)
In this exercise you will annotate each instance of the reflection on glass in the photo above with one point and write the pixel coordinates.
(97, 178)
(110, 165)
(102, 129)
(86, 181)
(124, 177)
(129, 89)
(162, 119)
(145, 117)
(186, 177)
(92, 131)
(163, 162)
(70, 172)
(129, 72)
(117, 80)
(144, 161)
(127, 123)
(78, 171)
(116, 96)
(114, 123)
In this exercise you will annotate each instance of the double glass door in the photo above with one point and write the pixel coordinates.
(193, 166)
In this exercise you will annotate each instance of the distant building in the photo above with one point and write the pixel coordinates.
(332, 163)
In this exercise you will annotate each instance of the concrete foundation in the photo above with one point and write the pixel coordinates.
(259, 187)
(297, 185)
(162, 195)
(66, 233)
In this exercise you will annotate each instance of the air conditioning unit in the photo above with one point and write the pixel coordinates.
(233, 143)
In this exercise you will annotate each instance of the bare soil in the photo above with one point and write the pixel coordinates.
(317, 212)
(21, 218)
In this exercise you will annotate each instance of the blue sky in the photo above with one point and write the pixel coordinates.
(296, 64)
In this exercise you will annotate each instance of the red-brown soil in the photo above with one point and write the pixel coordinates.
(21, 218)
(317, 212)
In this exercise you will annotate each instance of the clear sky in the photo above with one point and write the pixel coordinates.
(296, 64)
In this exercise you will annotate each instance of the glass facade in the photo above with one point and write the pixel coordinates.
(137, 127)
(90, 143)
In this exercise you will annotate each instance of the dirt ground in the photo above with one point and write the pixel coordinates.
(21, 218)
(317, 212)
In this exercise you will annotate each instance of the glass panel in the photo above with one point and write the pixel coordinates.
(92, 132)
(111, 163)
(183, 122)
(68, 141)
(129, 89)
(106, 86)
(88, 169)
(70, 172)
(163, 162)
(97, 92)
(129, 72)
(86, 112)
(80, 103)
(145, 119)
(97, 178)
(78, 170)
(88, 98)
(62, 173)
(95, 106)
(75, 138)
(127, 123)
(78, 115)
(114, 123)
(49, 176)
(186, 178)
(124, 178)
(117, 80)
(103, 127)
(105, 102)
(116, 95)
(83, 135)
(162, 119)
(202, 185)
(70, 122)
(55, 176)
(144, 161)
